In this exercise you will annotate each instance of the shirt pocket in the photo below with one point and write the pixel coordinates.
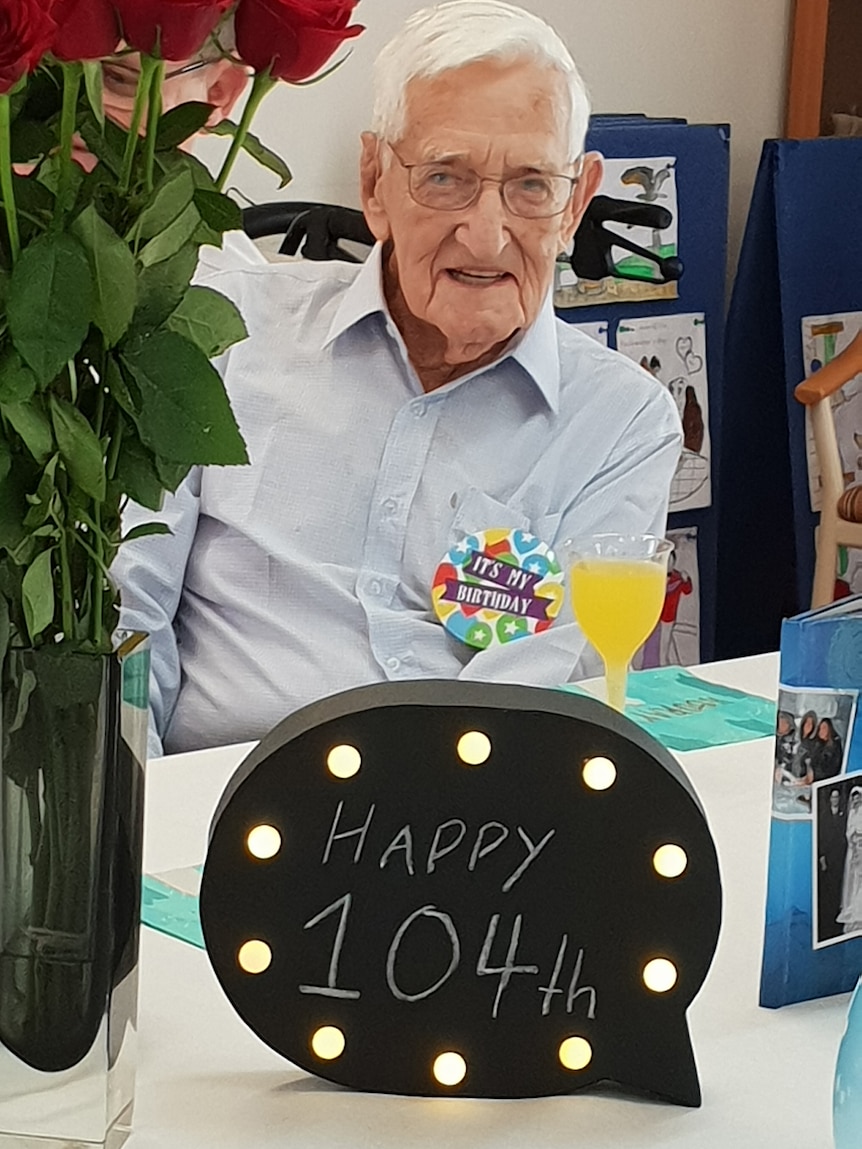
(480, 512)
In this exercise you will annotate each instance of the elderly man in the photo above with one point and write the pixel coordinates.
(394, 409)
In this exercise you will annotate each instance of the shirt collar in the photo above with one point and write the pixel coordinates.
(535, 350)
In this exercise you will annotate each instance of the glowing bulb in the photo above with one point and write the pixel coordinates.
(254, 956)
(599, 773)
(450, 1068)
(474, 748)
(328, 1042)
(670, 861)
(343, 761)
(263, 842)
(576, 1053)
(660, 975)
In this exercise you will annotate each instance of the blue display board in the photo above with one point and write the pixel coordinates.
(801, 255)
(701, 154)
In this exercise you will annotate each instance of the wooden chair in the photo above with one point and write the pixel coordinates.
(841, 508)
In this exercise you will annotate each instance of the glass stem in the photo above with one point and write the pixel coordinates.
(616, 676)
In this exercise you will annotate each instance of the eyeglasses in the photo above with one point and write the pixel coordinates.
(121, 80)
(452, 186)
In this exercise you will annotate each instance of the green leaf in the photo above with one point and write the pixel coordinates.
(218, 210)
(185, 414)
(79, 446)
(38, 589)
(4, 295)
(118, 387)
(17, 381)
(30, 140)
(137, 475)
(50, 303)
(31, 423)
(175, 236)
(106, 141)
(171, 198)
(115, 279)
(162, 286)
(207, 236)
(5, 628)
(50, 173)
(209, 320)
(13, 508)
(177, 160)
(258, 151)
(171, 474)
(181, 123)
(41, 503)
(5, 460)
(93, 85)
(147, 529)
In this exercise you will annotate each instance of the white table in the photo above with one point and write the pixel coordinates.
(205, 1080)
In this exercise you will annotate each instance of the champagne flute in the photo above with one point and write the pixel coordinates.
(618, 586)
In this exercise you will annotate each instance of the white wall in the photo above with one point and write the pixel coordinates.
(705, 60)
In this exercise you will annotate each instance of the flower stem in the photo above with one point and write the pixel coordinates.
(6, 182)
(71, 87)
(98, 579)
(262, 83)
(154, 111)
(147, 65)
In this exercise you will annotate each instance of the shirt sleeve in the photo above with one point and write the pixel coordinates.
(149, 574)
(628, 495)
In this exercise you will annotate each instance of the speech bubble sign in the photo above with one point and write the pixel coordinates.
(442, 887)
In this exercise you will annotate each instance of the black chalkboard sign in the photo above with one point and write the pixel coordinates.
(443, 887)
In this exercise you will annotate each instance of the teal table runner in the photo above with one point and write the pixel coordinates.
(687, 713)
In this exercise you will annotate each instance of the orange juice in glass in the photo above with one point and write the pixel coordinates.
(618, 586)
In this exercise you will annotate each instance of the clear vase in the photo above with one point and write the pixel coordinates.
(72, 748)
(847, 1096)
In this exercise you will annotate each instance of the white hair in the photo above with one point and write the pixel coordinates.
(462, 32)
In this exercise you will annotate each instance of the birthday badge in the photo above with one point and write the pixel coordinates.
(497, 586)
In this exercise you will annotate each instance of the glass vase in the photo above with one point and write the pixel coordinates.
(72, 748)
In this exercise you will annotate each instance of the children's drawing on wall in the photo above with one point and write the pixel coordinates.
(673, 348)
(626, 247)
(597, 331)
(823, 337)
(676, 638)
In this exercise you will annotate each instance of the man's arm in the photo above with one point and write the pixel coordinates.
(149, 574)
(629, 495)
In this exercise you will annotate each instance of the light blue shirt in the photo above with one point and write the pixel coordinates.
(310, 571)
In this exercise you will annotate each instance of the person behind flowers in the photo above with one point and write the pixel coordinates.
(393, 408)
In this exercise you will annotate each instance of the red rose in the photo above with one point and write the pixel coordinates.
(178, 29)
(26, 32)
(86, 29)
(294, 38)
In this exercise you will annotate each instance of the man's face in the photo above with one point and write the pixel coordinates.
(480, 273)
(833, 802)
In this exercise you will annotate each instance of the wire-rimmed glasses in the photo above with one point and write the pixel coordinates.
(449, 185)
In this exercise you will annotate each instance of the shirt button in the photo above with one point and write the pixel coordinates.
(393, 663)
(375, 587)
(419, 411)
(390, 505)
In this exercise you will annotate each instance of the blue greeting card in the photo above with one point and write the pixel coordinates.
(813, 936)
